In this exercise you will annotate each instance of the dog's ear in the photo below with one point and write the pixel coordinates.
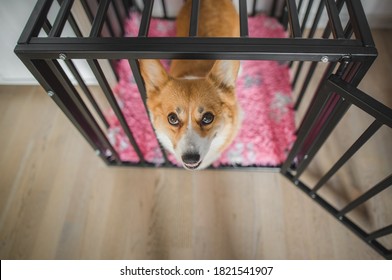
(224, 73)
(153, 73)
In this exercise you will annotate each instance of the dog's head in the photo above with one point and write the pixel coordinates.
(194, 118)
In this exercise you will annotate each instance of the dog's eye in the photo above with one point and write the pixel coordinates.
(207, 118)
(172, 118)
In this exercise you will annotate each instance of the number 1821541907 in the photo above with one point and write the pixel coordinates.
(232, 270)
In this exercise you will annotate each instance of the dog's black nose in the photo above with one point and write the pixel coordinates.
(190, 158)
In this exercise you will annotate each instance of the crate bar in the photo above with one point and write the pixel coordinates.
(71, 21)
(334, 101)
(330, 117)
(91, 9)
(91, 6)
(243, 18)
(300, 5)
(353, 73)
(254, 8)
(351, 94)
(163, 3)
(74, 26)
(43, 74)
(99, 75)
(99, 19)
(250, 168)
(298, 12)
(207, 41)
(327, 30)
(359, 22)
(128, 4)
(360, 99)
(334, 20)
(87, 10)
(379, 187)
(36, 21)
(193, 24)
(86, 90)
(277, 9)
(293, 13)
(142, 90)
(273, 9)
(108, 23)
(46, 26)
(313, 65)
(72, 92)
(316, 19)
(99, 22)
(115, 20)
(348, 30)
(77, 76)
(196, 48)
(305, 84)
(297, 73)
(146, 18)
(361, 68)
(311, 34)
(309, 120)
(380, 233)
(379, 248)
(347, 34)
(370, 131)
(61, 18)
(284, 19)
(134, 64)
(321, 90)
(121, 13)
(325, 76)
(306, 16)
(293, 19)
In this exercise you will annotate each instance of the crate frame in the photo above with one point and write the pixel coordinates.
(347, 50)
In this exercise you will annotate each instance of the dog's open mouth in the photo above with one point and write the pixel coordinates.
(191, 166)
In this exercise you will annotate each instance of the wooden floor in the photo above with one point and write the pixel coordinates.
(59, 201)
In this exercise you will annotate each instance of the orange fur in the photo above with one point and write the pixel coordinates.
(217, 18)
(211, 88)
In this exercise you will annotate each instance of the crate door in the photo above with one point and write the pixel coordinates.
(351, 186)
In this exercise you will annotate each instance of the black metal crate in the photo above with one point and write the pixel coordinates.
(341, 47)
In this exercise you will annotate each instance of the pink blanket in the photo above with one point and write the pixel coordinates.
(264, 94)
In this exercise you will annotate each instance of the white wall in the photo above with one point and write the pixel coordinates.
(14, 15)
(379, 13)
(13, 18)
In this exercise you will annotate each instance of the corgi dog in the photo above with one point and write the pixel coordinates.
(193, 108)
